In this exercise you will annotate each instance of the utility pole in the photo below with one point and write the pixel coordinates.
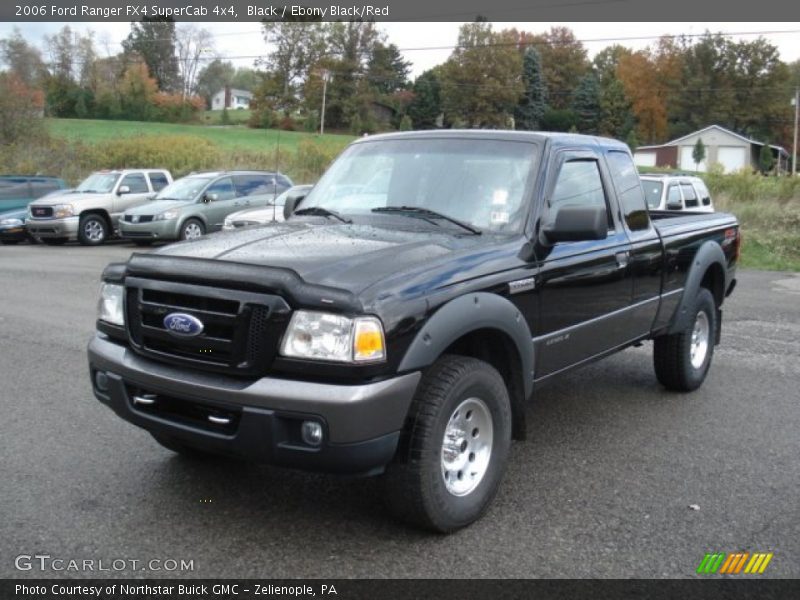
(325, 76)
(794, 146)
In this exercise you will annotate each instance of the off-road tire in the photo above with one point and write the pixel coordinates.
(415, 486)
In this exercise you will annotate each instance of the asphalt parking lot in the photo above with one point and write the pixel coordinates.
(603, 487)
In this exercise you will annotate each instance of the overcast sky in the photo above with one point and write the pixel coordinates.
(244, 39)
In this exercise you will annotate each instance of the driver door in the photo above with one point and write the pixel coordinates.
(138, 193)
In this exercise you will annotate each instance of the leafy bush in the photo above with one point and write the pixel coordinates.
(20, 110)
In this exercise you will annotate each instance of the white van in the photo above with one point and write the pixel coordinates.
(666, 191)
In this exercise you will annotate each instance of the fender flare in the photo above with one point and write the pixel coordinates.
(708, 254)
(463, 315)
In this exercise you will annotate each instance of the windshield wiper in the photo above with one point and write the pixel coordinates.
(426, 212)
(321, 211)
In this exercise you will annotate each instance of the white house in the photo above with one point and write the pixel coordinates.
(231, 98)
(723, 146)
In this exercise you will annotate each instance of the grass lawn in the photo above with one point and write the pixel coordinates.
(234, 136)
(235, 116)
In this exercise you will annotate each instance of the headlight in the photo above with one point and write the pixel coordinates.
(12, 222)
(325, 336)
(63, 210)
(109, 308)
(166, 215)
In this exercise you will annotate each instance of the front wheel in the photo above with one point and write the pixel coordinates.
(454, 448)
(92, 230)
(682, 359)
(192, 229)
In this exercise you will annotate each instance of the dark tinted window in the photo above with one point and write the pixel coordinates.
(223, 188)
(579, 183)
(247, 185)
(689, 197)
(136, 182)
(629, 190)
(158, 180)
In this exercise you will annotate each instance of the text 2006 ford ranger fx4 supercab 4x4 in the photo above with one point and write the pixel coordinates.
(398, 321)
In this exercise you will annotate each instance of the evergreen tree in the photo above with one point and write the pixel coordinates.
(616, 118)
(698, 153)
(586, 104)
(426, 106)
(533, 105)
(153, 39)
(632, 140)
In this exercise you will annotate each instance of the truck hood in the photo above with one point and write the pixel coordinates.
(75, 198)
(354, 257)
(154, 207)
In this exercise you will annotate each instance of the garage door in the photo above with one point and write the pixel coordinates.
(732, 158)
(687, 162)
(645, 159)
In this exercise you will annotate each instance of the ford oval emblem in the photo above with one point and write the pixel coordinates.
(182, 324)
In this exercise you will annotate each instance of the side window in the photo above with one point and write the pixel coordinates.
(579, 182)
(629, 188)
(284, 181)
(223, 188)
(136, 182)
(158, 180)
(689, 196)
(674, 196)
(702, 192)
(247, 185)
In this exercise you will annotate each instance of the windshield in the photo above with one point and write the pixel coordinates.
(652, 191)
(479, 182)
(184, 189)
(101, 183)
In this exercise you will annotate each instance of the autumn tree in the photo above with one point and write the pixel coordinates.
(481, 81)
(533, 104)
(20, 110)
(22, 59)
(564, 62)
(137, 91)
(641, 83)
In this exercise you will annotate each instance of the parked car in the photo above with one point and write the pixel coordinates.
(17, 191)
(12, 224)
(676, 192)
(270, 212)
(198, 203)
(402, 333)
(90, 213)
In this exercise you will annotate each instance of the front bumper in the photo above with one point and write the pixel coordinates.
(54, 228)
(361, 423)
(16, 233)
(153, 230)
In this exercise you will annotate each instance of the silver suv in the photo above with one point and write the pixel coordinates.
(199, 203)
(90, 212)
(675, 192)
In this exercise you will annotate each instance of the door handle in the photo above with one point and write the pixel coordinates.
(622, 259)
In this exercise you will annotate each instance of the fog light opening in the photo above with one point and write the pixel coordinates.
(311, 432)
(101, 381)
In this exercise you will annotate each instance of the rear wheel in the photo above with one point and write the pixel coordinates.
(682, 359)
(455, 446)
(192, 229)
(92, 230)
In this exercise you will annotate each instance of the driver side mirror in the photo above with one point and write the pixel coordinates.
(209, 197)
(575, 223)
(123, 189)
(292, 204)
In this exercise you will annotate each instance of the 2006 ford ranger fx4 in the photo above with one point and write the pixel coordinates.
(401, 317)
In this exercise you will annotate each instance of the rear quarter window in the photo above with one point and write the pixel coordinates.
(629, 190)
(158, 180)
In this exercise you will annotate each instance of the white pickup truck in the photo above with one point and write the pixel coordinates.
(90, 212)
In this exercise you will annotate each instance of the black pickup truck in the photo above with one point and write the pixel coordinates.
(407, 309)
